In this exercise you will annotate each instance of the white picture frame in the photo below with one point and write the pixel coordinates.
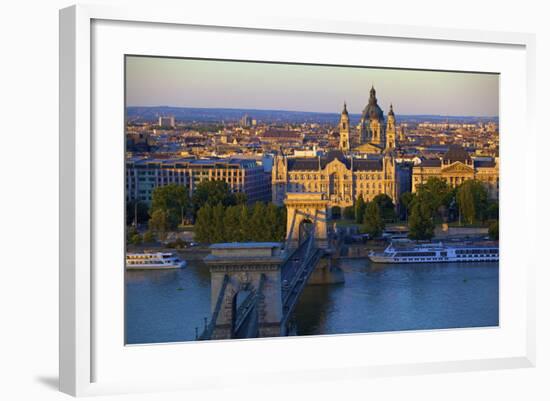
(82, 343)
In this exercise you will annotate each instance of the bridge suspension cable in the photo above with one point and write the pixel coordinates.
(209, 329)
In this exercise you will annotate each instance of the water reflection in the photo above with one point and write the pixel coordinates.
(164, 306)
(405, 297)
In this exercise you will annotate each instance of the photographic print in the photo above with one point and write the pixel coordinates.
(272, 199)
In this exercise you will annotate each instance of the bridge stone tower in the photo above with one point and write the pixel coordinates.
(252, 268)
(306, 207)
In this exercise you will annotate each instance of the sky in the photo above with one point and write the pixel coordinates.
(155, 81)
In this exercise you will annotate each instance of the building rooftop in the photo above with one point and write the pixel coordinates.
(243, 163)
(430, 163)
(245, 245)
(261, 252)
(315, 163)
(367, 165)
(484, 163)
(456, 153)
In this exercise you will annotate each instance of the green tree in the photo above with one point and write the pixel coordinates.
(436, 195)
(132, 236)
(139, 209)
(272, 219)
(360, 207)
(218, 230)
(472, 200)
(387, 208)
(136, 239)
(212, 193)
(149, 236)
(373, 222)
(406, 200)
(174, 200)
(492, 210)
(232, 225)
(493, 230)
(258, 223)
(349, 213)
(159, 223)
(246, 229)
(204, 223)
(240, 198)
(421, 226)
(240, 223)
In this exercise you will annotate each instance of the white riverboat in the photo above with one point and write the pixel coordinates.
(436, 253)
(153, 261)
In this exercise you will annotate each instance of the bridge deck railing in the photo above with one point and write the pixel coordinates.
(293, 293)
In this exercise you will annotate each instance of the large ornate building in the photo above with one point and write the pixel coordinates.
(366, 170)
(374, 133)
(342, 178)
(455, 167)
(366, 164)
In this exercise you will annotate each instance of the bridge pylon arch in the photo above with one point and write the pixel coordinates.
(304, 206)
(254, 267)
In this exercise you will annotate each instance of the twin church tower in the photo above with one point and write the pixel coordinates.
(373, 135)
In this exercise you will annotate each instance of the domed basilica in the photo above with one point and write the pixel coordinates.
(363, 166)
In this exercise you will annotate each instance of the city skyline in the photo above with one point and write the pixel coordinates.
(198, 83)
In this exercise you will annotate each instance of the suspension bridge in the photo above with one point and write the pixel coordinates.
(255, 286)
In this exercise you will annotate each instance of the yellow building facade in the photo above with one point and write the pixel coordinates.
(455, 167)
(344, 175)
(341, 178)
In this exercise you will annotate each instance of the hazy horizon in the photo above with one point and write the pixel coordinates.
(303, 111)
(214, 84)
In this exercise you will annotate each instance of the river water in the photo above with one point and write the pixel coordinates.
(167, 306)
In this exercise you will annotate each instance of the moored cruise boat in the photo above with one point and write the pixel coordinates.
(153, 260)
(436, 253)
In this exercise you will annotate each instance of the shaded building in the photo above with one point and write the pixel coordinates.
(457, 166)
(138, 141)
(144, 175)
(341, 177)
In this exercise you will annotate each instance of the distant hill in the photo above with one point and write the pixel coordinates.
(192, 114)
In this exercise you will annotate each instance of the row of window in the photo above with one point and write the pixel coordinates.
(401, 257)
(223, 172)
(313, 188)
(367, 185)
(162, 180)
(345, 177)
(483, 179)
(407, 254)
(475, 251)
(476, 256)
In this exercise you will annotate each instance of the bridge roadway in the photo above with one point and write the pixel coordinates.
(295, 273)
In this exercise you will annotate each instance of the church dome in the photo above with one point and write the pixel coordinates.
(374, 112)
